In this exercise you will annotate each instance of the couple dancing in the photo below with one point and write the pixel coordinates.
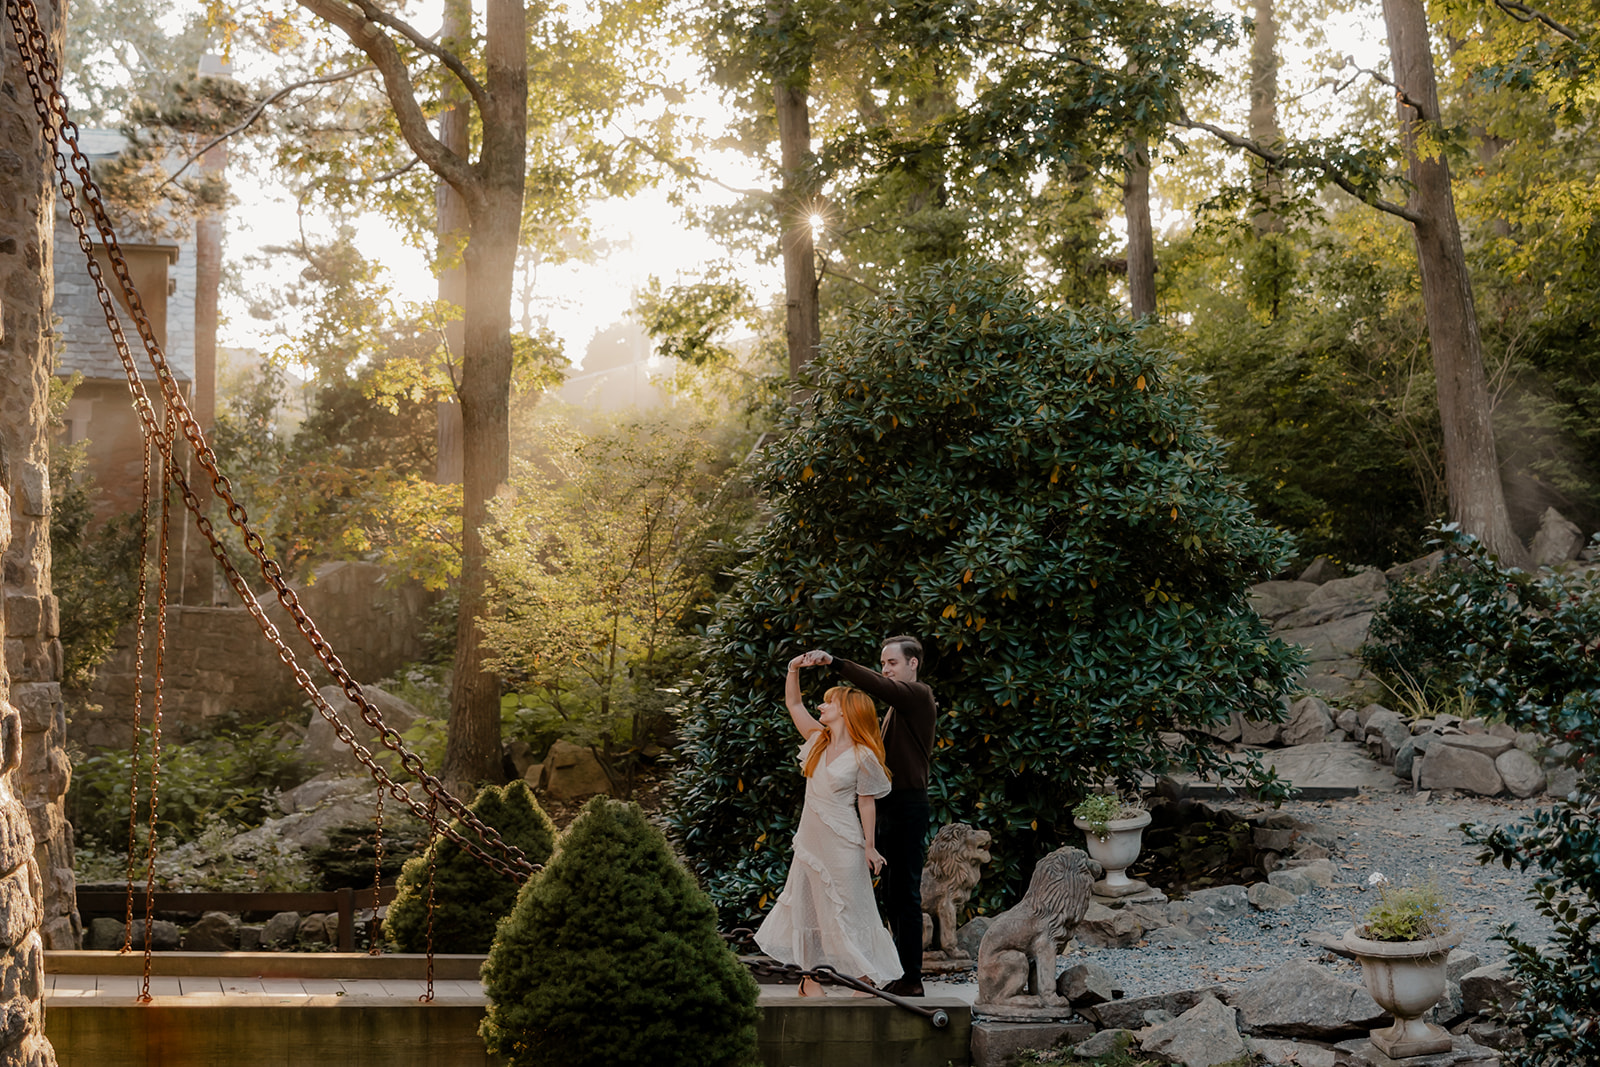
(826, 913)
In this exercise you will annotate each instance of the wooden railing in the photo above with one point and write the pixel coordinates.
(343, 901)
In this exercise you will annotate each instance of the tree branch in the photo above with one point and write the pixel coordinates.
(439, 52)
(259, 110)
(380, 48)
(1524, 13)
(1329, 171)
(688, 168)
(1382, 79)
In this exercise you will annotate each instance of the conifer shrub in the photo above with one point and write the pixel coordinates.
(1033, 492)
(612, 956)
(469, 896)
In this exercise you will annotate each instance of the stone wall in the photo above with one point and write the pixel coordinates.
(218, 661)
(36, 887)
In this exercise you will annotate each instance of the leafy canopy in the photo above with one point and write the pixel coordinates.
(1033, 492)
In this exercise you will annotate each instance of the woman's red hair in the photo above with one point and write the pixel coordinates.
(860, 719)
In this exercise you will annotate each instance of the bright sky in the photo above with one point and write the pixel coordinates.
(645, 233)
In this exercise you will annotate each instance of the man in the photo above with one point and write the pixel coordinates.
(903, 815)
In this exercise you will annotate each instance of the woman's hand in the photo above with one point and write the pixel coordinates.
(875, 861)
(802, 660)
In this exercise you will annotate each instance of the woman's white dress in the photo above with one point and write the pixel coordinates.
(826, 913)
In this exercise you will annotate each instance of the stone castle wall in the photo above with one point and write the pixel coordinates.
(218, 662)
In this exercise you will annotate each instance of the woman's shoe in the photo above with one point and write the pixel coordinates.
(810, 987)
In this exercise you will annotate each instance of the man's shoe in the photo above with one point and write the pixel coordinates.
(904, 987)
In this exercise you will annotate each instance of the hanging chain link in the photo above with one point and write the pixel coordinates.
(163, 591)
(56, 128)
(433, 852)
(138, 694)
(376, 946)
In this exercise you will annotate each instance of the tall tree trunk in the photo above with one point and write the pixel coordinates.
(472, 750)
(450, 229)
(803, 323)
(1141, 236)
(1472, 471)
(1264, 116)
(40, 909)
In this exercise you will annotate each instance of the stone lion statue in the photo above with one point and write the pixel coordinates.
(954, 866)
(1017, 957)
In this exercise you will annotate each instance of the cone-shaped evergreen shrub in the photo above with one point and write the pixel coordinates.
(1034, 493)
(469, 896)
(612, 956)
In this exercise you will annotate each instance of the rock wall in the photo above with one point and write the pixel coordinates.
(36, 887)
(32, 655)
(218, 661)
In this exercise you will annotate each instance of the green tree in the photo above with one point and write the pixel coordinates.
(602, 558)
(468, 897)
(612, 956)
(1034, 493)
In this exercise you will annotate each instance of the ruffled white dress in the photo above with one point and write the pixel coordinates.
(826, 913)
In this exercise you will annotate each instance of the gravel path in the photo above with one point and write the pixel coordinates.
(1406, 837)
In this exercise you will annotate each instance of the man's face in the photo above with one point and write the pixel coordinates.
(896, 667)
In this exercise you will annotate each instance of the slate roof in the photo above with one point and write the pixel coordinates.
(86, 345)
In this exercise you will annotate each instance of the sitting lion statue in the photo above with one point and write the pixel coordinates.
(1017, 957)
(953, 869)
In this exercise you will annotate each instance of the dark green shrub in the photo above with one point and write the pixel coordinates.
(232, 773)
(469, 897)
(1525, 647)
(1521, 645)
(612, 956)
(1033, 492)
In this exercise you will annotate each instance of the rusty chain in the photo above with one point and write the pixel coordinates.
(57, 128)
(138, 697)
(433, 853)
(375, 948)
(824, 974)
(163, 591)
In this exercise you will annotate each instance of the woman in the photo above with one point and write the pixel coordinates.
(826, 913)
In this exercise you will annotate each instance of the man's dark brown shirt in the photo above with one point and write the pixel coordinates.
(908, 733)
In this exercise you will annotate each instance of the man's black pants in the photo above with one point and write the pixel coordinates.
(902, 837)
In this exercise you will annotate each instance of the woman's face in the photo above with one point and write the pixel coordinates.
(830, 714)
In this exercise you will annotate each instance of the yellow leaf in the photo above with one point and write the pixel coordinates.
(894, 422)
(1094, 583)
(968, 576)
(807, 474)
(1055, 475)
(948, 613)
(1034, 824)
(1174, 512)
(981, 621)
(1140, 383)
(740, 784)
(986, 739)
(762, 903)
(952, 309)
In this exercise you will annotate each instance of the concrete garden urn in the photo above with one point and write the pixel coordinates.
(1115, 850)
(1406, 978)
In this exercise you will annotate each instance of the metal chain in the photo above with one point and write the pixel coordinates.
(822, 973)
(57, 127)
(376, 946)
(433, 854)
(163, 590)
(138, 695)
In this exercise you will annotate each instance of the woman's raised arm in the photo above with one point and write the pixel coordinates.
(803, 720)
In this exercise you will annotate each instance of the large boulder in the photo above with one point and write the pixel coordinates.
(217, 931)
(1490, 989)
(570, 772)
(1310, 722)
(1086, 983)
(1205, 1035)
(323, 749)
(1384, 732)
(1520, 772)
(1128, 1013)
(1558, 540)
(1302, 999)
(1274, 600)
(280, 930)
(1365, 589)
(1322, 569)
(1462, 769)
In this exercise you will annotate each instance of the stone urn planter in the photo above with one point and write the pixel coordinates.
(1115, 850)
(1406, 978)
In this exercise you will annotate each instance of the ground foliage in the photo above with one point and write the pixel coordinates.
(612, 956)
(469, 897)
(1525, 647)
(1034, 493)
